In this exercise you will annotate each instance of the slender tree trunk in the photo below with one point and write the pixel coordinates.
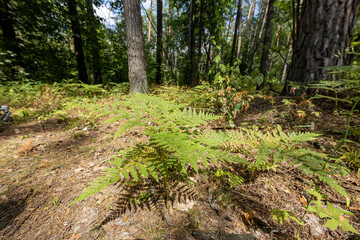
(192, 81)
(169, 37)
(208, 58)
(159, 45)
(95, 48)
(6, 22)
(238, 52)
(76, 32)
(277, 37)
(267, 42)
(257, 41)
(230, 27)
(150, 19)
(237, 23)
(324, 33)
(135, 46)
(249, 27)
(286, 63)
(200, 40)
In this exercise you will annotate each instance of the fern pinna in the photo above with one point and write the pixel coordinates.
(175, 142)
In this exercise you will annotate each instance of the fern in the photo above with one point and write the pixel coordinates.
(175, 142)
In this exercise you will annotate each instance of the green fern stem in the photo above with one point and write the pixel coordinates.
(326, 163)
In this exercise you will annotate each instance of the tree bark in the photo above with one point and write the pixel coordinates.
(324, 33)
(159, 47)
(135, 46)
(76, 33)
(94, 42)
(8, 31)
(267, 42)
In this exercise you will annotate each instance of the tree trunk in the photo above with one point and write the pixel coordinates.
(8, 31)
(200, 40)
(230, 27)
(212, 31)
(277, 41)
(192, 81)
(76, 33)
(324, 33)
(169, 38)
(135, 46)
(150, 16)
(257, 41)
(267, 42)
(237, 23)
(238, 52)
(159, 47)
(94, 42)
(283, 74)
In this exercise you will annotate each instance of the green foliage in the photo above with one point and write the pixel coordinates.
(335, 216)
(227, 176)
(352, 157)
(175, 142)
(343, 90)
(9, 70)
(269, 149)
(280, 215)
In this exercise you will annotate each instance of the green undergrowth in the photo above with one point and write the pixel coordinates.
(181, 142)
(32, 100)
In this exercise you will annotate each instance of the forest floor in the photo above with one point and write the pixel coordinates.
(45, 165)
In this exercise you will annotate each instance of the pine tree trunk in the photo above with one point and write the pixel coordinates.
(257, 40)
(277, 41)
(150, 16)
(283, 74)
(159, 47)
(267, 42)
(76, 32)
(8, 31)
(237, 24)
(94, 42)
(324, 33)
(238, 52)
(135, 46)
(200, 40)
(169, 37)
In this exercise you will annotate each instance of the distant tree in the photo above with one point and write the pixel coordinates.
(238, 52)
(135, 45)
(237, 33)
(159, 47)
(324, 32)
(200, 40)
(191, 76)
(150, 21)
(76, 33)
(94, 43)
(267, 42)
